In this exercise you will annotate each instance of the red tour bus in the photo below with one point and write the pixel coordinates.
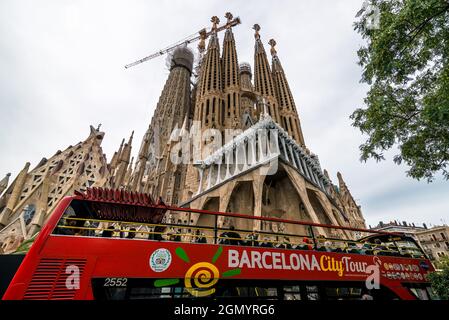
(114, 245)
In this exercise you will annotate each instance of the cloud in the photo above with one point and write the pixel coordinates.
(62, 70)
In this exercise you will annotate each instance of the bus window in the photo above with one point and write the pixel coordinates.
(228, 292)
(232, 292)
(312, 293)
(422, 292)
(66, 222)
(266, 292)
(111, 220)
(74, 220)
(149, 293)
(292, 293)
(115, 293)
(343, 293)
(410, 248)
(432, 294)
(242, 291)
(179, 292)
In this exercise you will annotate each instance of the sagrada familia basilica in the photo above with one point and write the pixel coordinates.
(262, 165)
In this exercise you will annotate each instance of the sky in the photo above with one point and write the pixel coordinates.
(62, 70)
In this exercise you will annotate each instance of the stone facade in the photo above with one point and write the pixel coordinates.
(244, 174)
(408, 229)
(263, 168)
(30, 199)
(435, 242)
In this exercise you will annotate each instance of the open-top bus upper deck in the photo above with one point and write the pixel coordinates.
(108, 244)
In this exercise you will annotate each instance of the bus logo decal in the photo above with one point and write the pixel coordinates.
(160, 260)
(201, 278)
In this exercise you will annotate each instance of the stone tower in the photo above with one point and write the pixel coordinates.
(263, 78)
(288, 114)
(209, 94)
(264, 169)
(231, 80)
(155, 172)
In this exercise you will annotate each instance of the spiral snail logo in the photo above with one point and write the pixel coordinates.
(201, 278)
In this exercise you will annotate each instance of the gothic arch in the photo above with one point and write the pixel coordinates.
(207, 220)
(241, 201)
(281, 200)
(318, 207)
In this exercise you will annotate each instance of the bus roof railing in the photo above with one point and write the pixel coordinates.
(279, 220)
(140, 199)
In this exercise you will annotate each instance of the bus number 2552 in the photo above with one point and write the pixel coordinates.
(115, 282)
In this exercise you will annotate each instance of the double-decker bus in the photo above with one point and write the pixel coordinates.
(114, 245)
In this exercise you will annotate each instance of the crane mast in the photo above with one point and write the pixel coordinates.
(201, 35)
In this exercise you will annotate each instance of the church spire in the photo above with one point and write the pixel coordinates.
(209, 102)
(263, 81)
(174, 101)
(128, 175)
(122, 164)
(142, 158)
(127, 148)
(231, 77)
(15, 195)
(116, 157)
(4, 183)
(288, 114)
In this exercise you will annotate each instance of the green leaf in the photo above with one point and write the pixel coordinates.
(231, 273)
(217, 254)
(182, 254)
(165, 282)
(405, 64)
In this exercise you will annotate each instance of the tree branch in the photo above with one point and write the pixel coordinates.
(421, 26)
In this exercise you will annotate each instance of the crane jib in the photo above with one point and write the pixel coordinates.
(188, 40)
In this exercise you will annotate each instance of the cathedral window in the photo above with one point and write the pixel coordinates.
(28, 213)
(222, 112)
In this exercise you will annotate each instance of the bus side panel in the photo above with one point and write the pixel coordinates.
(19, 284)
(85, 291)
(402, 292)
(17, 287)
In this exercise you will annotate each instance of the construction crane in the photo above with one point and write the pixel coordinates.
(201, 35)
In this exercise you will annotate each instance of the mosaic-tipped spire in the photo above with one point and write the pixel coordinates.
(231, 77)
(288, 113)
(263, 80)
(209, 88)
